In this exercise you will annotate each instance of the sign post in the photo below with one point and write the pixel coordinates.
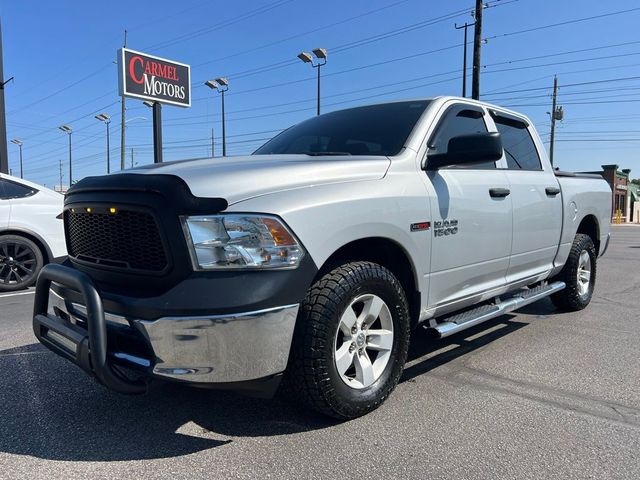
(155, 80)
(157, 132)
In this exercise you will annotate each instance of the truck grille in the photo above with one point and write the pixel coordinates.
(127, 240)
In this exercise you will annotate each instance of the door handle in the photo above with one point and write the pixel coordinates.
(499, 192)
(552, 191)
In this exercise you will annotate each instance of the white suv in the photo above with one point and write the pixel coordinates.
(30, 233)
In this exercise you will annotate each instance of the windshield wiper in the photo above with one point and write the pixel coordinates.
(320, 154)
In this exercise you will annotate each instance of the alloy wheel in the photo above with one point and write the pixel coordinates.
(364, 340)
(17, 263)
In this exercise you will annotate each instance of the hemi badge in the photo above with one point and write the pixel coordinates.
(416, 227)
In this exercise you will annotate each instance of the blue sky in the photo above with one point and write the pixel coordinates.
(61, 55)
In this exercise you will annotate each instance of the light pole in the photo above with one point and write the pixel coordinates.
(19, 143)
(106, 118)
(220, 84)
(67, 129)
(321, 59)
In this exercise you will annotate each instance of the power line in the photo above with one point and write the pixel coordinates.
(302, 34)
(365, 41)
(559, 24)
(40, 100)
(217, 26)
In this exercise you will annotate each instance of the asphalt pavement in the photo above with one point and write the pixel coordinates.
(536, 394)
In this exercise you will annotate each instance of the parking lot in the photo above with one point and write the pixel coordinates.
(536, 394)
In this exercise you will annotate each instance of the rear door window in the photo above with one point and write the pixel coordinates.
(9, 190)
(519, 149)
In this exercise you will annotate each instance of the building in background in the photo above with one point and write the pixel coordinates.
(621, 197)
(634, 204)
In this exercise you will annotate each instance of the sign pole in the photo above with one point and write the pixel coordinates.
(156, 81)
(157, 132)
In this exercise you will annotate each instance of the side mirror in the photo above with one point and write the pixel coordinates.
(467, 150)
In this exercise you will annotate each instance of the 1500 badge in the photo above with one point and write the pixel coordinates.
(445, 227)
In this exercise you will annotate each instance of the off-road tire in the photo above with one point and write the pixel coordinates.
(569, 298)
(311, 374)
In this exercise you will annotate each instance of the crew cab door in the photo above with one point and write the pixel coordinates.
(471, 215)
(536, 199)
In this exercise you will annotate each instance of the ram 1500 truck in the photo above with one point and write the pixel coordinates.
(312, 260)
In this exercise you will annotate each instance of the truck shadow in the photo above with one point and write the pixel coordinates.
(427, 352)
(51, 410)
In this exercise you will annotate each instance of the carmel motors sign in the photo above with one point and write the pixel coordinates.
(153, 78)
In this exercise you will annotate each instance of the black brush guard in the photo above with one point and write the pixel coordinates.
(86, 348)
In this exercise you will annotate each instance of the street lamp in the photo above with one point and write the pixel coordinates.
(220, 84)
(135, 118)
(321, 59)
(106, 118)
(68, 130)
(19, 143)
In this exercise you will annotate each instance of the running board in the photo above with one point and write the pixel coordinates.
(468, 319)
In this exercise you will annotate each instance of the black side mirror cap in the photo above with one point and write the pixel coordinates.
(467, 150)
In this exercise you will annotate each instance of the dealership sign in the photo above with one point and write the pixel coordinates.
(155, 79)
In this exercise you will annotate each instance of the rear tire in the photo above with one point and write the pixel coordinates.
(351, 341)
(579, 274)
(20, 262)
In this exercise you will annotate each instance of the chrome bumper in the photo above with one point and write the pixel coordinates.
(221, 348)
(212, 349)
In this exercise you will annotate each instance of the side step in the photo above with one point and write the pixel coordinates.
(461, 321)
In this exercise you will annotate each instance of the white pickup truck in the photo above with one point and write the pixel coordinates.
(313, 259)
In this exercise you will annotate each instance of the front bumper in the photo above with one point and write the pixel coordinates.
(226, 349)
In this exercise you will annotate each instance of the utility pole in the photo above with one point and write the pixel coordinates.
(477, 41)
(213, 152)
(464, 59)
(556, 114)
(131, 157)
(4, 154)
(122, 120)
(60, 168)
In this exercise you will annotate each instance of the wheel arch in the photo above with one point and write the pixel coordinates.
(386, 252)
(589, 226)
(35, 238)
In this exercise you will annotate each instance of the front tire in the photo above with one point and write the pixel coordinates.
(579, 274)
(20, 262)
(351, 341)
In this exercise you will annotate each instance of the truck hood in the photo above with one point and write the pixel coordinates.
(244, 177)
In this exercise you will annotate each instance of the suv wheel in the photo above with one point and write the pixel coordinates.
(20, 262)
(351, 341)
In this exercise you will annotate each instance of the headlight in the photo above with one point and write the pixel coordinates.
(240, 241)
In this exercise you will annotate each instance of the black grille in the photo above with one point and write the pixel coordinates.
(127, 239)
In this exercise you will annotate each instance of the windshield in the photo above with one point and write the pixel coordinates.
(371, 130)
